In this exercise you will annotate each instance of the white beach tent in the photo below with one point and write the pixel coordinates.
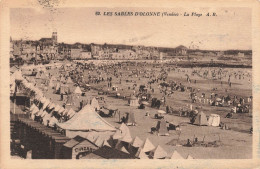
(94, 103)
(33, 106)
(137, 142)
(53, 121)
(44, 113)
(46, 118)
(123, 149)
(57, 108)
(127, 138)
(189, 157)
(51, 106)
(35, 110)
(18, 75)
(133, 101)
(148, 146)
(158, 153)
(46, 103)
(176, 155)
(87, 120)
(77, 91)
(141, 154)
(121, 132)
(61, 110)
(214, 120)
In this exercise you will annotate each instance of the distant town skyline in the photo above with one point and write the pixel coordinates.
(230, 29)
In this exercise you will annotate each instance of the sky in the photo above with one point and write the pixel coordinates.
(230, 29)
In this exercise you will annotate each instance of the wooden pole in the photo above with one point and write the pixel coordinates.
(179, 137)
(119, 115)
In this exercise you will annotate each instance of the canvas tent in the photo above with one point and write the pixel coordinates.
(135, 145)
(69, 100)
(32, 107)
(18, 75)
(123, 149)
(133, 101)
(46, 103)
(57, 108)
(130, 119)
(39, 113)
(127, 137)
(137, 142)
(77, 91)
(33, 112)
(44, 113)
(53, 121)
(158, 153)
(121, 132)
(189, 157)
(64, 89)
(51, 106)
(162, 128)
(61, 110)
(141, 154)
(148, 146)
(43, 76)
(105, 143)
(46, 119)
(214, 120)
(176, 155)
(38, 75)
(200, 119)
(57, 88)
(86, 120)
(94, 103)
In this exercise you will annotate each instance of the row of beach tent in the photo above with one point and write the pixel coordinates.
(123, 141)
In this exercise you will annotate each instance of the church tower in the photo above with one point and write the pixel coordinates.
(54, 37)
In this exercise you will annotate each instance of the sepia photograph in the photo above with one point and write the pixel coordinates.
(84, 85)
(136, 83)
